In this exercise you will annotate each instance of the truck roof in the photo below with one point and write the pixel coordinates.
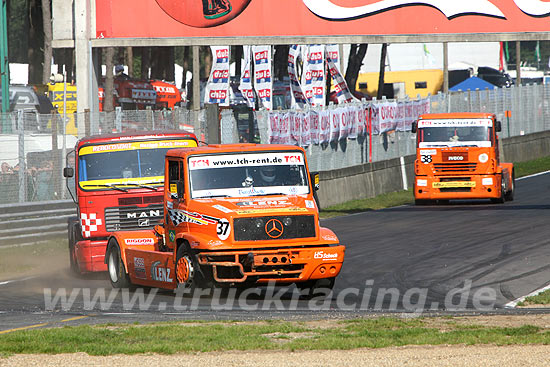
(231, 148)
(135, 135)
(457, 115)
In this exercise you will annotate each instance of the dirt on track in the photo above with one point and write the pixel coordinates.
(429, 356)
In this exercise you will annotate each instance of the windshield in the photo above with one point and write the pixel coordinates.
(248, 174)
(125, 165)
(452, 133)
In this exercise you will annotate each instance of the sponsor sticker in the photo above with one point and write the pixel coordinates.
(139, 241)
(428, 152)
(421, 183)
(455, 123)
(453, 184)
(264, 203)
(172, 235)
(321, 255)
(310, 204)
(139, 268)
(488, 181)
(161, 274)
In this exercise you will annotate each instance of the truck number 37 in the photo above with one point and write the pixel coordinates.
(223, 227)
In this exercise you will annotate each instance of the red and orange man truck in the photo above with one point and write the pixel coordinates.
(236, 215)
(457, 157)
(119, 182)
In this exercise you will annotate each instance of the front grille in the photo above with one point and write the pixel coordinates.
(454, 167)
(129, 218)
(254, 229)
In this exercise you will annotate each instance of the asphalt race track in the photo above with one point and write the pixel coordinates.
(458, 257)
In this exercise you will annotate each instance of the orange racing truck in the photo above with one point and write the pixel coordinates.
(457, 157)
(118, 185)
(239, 215)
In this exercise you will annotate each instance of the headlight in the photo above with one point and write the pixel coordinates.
(483, 157)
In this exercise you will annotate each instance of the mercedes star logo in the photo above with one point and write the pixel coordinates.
(274, 228)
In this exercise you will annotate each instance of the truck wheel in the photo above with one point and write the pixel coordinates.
(501, 198)
(311, 288)
(117, 273)
(185, 268)
(509, 196)
(73, 237)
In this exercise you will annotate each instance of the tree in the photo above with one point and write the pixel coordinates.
(109, 80)
(47, 25)
(355, 61)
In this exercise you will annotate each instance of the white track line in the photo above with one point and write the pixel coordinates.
(16, 280)
(514, 303)
(533, 175)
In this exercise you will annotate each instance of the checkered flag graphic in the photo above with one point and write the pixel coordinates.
(177, 217)
(89, 223)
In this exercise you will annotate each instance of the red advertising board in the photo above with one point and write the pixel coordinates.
(257, 18)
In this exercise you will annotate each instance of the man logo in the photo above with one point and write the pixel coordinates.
(274, 228)
(143, 222)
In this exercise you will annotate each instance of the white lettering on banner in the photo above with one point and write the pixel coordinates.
(263, 82)
(246, 160)
(328, 10)
(455, 122)
(218, 83)
(534, 7)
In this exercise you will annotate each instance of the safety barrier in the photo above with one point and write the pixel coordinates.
(27, 223)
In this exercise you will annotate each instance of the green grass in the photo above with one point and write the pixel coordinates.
(363, 205)
(531, 167)
(169, 338)
(540, 299)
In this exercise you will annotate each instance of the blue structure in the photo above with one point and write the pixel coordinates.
(472, 83)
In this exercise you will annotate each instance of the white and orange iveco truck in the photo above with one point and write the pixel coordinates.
(457, 157)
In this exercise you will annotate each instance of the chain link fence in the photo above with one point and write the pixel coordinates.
(33, 147)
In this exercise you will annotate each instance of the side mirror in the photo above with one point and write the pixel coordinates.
(498, 126)
(414, 127)
(68, 172)
(314, 177)
(181, 189)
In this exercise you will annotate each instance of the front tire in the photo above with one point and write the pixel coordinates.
(74, 237)
(115, 267)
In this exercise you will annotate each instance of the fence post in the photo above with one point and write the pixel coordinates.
(22, 168)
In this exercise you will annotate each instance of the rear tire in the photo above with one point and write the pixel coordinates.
(311, 288)
(115, 267)
(509, 196)
(501, 198)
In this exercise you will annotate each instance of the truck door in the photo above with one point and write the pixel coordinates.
(175, 198)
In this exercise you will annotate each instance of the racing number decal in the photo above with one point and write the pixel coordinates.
(223, 229)
(426, 159)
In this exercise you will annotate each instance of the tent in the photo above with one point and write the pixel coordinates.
(472, 83)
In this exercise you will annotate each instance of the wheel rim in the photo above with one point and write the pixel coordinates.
(113, 273)
(184, 270)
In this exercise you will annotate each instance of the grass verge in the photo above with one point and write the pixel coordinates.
(406, 197)
(169, 338)
(16, 261)
(540, 299)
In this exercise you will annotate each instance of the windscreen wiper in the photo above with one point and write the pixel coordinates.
(111, 186)
(145, 186)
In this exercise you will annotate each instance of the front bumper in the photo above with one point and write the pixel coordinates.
(286, 265)
(457, 187)
(90, 255)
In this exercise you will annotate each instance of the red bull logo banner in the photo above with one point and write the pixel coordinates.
(245, 85)
(217, 89)
(298, 100)
(309, 18)
(263, 83)
(313, 75)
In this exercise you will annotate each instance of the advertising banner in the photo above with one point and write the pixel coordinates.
(340, 86)
(324, 127)
(245, 85)
(263, 81)
(298, 98)
(313, 76)
(217, 88)
(302, 18)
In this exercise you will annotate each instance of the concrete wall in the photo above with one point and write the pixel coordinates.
(371, 179)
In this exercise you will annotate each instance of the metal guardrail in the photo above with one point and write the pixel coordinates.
(28, 223)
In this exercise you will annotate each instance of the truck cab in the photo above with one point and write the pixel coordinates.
(457, 157)
(118, 186)
(234, 214)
